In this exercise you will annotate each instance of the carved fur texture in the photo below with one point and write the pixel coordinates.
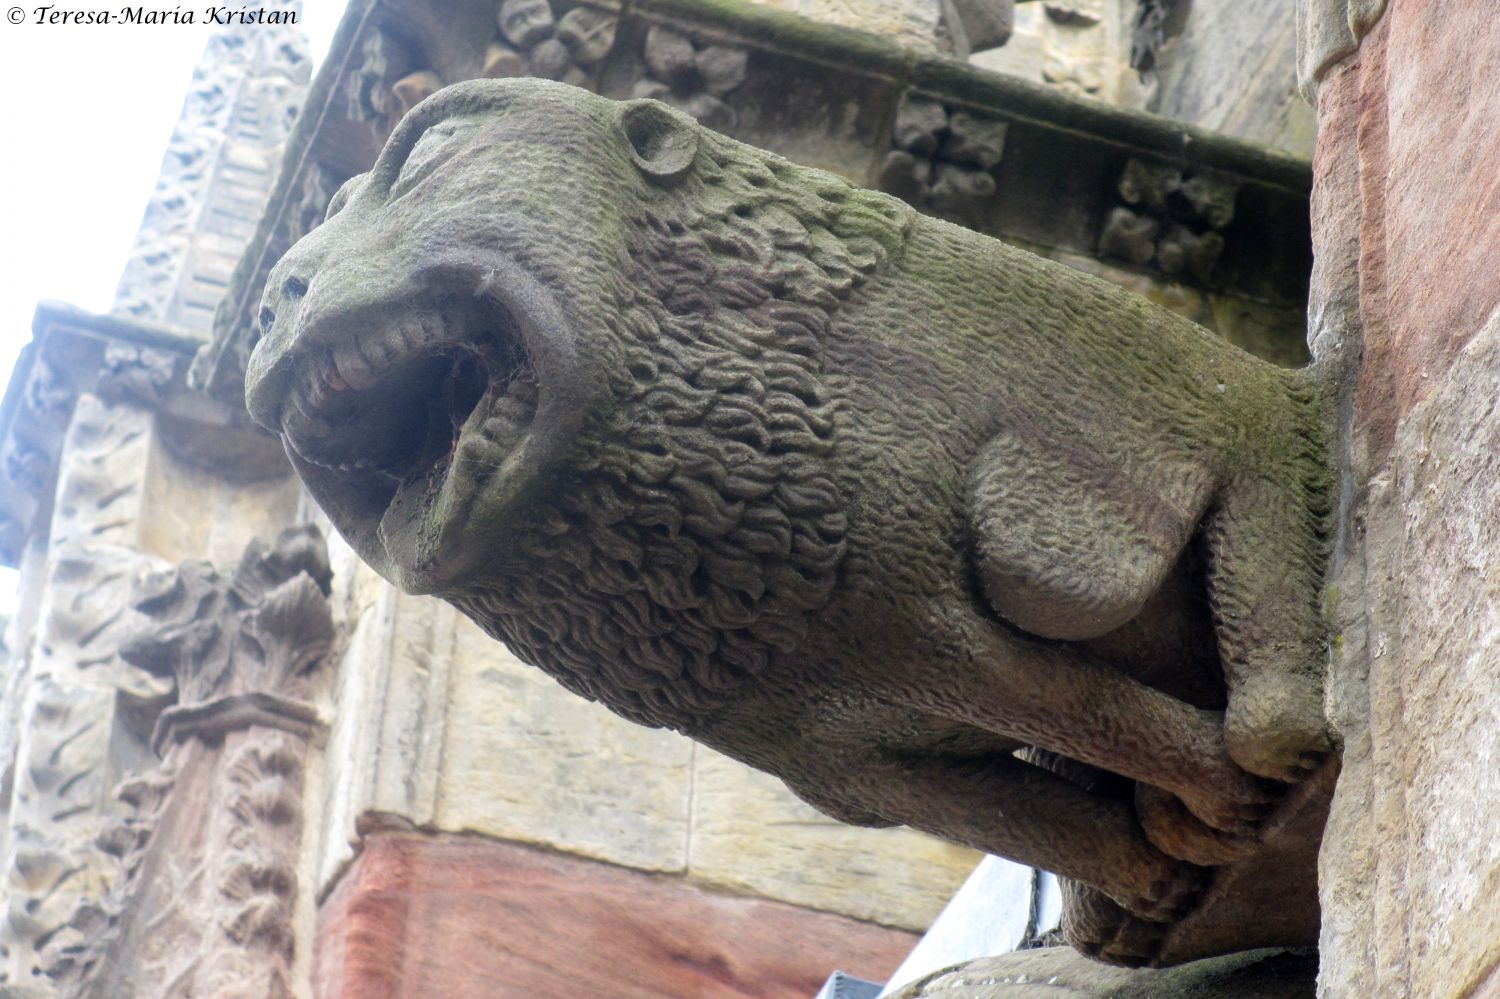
(864, 499)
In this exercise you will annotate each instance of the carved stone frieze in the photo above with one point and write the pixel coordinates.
(791, 76)
(693, 74)
(204, 900)
(1172, 219)
(136, 374)
(370, 85)
(86, 714)
(942, 160)
(534, 39)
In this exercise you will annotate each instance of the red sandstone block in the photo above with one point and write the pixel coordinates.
(454, 917)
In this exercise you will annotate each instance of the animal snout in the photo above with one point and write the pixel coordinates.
(270, 370)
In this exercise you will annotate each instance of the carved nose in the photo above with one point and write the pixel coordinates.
(270, 370)
(268, 377)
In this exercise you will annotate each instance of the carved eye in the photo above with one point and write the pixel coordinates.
(662, 141)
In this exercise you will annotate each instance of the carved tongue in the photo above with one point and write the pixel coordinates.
(431, 500)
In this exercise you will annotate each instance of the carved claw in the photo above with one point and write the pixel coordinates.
(1274, 727)
(1174, 830)
(1235, 805)
(1171, 894)
(1096, 926)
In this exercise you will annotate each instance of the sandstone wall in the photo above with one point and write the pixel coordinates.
(1404, 309)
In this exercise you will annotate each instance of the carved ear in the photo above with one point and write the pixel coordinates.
(341, 196)
(663, 141)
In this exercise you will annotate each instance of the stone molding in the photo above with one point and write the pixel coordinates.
(127, 364)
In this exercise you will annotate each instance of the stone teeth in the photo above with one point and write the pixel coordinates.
(352, 367)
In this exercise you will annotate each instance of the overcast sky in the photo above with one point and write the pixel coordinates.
(85, 114)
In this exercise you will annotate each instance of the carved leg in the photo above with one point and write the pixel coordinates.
(1065, 546)
(1003, 806)
(1096, 927)
(1062, 700)
(1165, 820)
(1175, 831)
(1264, 577)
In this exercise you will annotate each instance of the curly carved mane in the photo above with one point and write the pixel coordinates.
(698, 528)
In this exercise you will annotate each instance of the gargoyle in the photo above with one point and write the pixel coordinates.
(940, 533)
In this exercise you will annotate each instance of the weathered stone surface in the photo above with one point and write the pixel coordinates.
(1058, 973)
(1077, 46)
(1232, 70)
(468, 918)
(1327, 32)
(1434, 708)
(73, 742)
(687, 626)
(911, 23)
(1405, 309)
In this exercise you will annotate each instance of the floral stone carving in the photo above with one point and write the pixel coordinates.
(535, 42)
(203, 904)
(1172, 220)
(861, 498)
(942, 160)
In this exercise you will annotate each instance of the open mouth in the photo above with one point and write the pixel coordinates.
(422, 422)
(415, 433)
(436, 387)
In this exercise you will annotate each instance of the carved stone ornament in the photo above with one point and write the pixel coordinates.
(692, 75)
(1171, 220)
(863, 499)
(942, 161)
(534, 42)
(1154, 23)
(203, 903)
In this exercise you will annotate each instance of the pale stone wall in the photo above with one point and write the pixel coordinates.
(1081, 47)
(913, 23)
(1225, 65)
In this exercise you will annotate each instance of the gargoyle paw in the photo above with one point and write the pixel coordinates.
(1275, 727)
(1170, 894)
(1096, 926)
(1175, 831)
(1235, 805)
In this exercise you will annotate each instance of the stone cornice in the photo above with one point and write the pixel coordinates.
(74, 352)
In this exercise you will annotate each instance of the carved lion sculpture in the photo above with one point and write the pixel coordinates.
(936, 531)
